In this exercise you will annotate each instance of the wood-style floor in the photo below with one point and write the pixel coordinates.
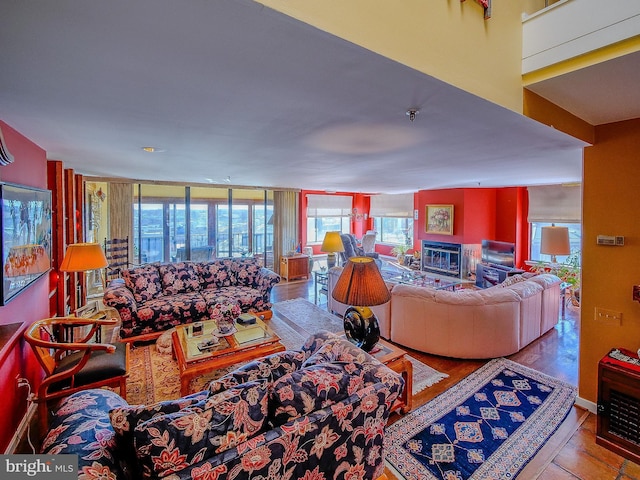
(572, 452)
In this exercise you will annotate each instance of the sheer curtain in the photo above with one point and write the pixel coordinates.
(285, 224)
(121, 212)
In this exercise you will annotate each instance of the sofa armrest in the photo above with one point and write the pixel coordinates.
(118, 296)
(343, 438)
(266, 280)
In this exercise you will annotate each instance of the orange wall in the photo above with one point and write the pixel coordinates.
(610, 192)
(29, 168)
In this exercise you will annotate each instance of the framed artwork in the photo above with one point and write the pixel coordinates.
(25, 227)
(439, 219)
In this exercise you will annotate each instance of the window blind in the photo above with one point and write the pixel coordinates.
(399, 205)
(328, 205)
(555, 203)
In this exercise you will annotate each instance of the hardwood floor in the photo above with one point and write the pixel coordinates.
(572, 452)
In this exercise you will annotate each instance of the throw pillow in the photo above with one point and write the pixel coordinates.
(315, 387)
(144, 282)
(512, 280)
(336, 350)
(172, 442)
(178, 278)
(216, 274)
(269, 368)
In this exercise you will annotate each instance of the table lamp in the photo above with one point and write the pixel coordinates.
(362, 286)
(555, 241)
(331, 244)
(82, 257)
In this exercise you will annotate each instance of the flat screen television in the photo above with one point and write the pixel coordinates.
(498, 253)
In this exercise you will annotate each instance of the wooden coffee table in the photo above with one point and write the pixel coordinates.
(248, 343)
(395, 358)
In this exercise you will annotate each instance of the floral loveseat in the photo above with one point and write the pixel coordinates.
(316, 413)
(155, 297)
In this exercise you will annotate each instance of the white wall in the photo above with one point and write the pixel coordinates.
(573, 27)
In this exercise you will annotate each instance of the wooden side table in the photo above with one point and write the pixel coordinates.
(296, 266)
(395, 358)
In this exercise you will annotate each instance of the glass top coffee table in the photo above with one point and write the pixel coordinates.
(247, 343)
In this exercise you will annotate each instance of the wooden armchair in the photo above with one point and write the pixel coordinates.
(72, 364)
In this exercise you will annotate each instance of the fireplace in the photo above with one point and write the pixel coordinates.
(450, 259)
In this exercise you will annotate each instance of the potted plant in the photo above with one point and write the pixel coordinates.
(400, 251)
(568, 272)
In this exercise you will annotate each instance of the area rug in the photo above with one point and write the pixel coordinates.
(488, 426)
(154, 377)
(311, 318)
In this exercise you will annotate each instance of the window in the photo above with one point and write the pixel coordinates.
(211, 221)
(327, 213)
(393, 218)
(394, 230)
(575, 241)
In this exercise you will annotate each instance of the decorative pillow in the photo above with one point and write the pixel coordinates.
(336, 350)
(315, 341)
(144, 282)
(269, 368)
(216, 274)
(512, 280)
(246, 271)
(171, 442)
(317, 386)
(181, 277)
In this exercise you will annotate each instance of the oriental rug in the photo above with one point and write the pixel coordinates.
(310, 318)
(488, 426)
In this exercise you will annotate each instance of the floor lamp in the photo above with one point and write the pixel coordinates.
(81, 258)
(332, 244)
(555, 241)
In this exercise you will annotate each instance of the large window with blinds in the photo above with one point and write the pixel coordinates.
(393, 218)
(559, 205)
(327, 213)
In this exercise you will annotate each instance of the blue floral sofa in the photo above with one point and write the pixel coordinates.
(315, 413)
(156, 297)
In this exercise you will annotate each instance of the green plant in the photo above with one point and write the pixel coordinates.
(400, 249)
(568, 271)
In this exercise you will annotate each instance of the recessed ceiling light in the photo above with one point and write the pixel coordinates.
(153, 149)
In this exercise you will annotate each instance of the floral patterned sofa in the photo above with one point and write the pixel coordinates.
(315, 413)
(155, 297)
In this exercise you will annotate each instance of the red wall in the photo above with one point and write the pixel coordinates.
(478, 214)
(359, 226)
(16, 359)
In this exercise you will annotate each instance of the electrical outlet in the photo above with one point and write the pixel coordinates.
(610, 317)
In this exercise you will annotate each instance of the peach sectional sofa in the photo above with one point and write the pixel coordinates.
(467, 323)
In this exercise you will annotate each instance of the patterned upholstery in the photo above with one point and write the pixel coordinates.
(154, 298)
(235, 430)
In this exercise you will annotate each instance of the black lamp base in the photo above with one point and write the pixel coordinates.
(361, 327)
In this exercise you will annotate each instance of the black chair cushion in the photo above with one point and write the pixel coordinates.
(101, 366)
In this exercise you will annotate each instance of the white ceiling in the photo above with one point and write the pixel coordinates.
(230, 89)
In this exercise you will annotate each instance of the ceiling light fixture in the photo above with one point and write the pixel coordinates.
(412, 112)
(153, 149)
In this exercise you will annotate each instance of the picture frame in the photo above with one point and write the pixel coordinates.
(439, 219)
(25, 228)
(89, 310)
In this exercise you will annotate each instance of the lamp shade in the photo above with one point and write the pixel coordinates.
(82, 257)
(555, 241)
(361, 284)
(332, 243)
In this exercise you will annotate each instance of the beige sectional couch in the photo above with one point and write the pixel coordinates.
(489, 323)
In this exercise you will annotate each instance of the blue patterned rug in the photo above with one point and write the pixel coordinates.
(488, 426)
